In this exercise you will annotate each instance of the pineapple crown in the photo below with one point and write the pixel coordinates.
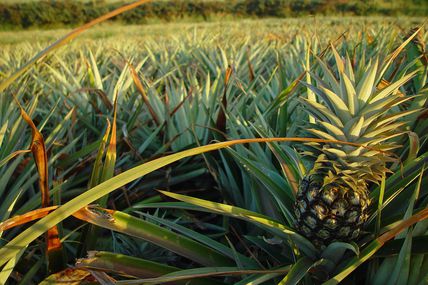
(358, 106)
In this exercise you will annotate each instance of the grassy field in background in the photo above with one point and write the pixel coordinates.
(281, 29)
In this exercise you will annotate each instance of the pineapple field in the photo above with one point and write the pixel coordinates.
(258, 151)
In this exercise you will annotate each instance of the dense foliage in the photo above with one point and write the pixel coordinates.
(116, 114)
(66, 13)
(122, 119)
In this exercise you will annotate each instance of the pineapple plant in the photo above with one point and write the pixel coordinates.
(333, 201)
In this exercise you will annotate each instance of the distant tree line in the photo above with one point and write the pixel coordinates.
(54, 13)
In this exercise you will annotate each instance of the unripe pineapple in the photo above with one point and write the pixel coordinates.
(333, 199)
(332, 211)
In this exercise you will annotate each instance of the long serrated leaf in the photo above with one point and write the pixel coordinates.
(248, 216)
(132, 266)
(366, 86)
(127, 224)
(97, 167)
(7, 270)
(298, 271)
(198, 273)
(93, 194)
(391, 88)
(3, 130)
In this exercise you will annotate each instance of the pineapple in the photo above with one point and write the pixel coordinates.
(333, 199)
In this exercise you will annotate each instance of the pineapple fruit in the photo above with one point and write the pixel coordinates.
(333, 199)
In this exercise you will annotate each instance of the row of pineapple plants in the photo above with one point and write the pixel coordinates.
(305, 198)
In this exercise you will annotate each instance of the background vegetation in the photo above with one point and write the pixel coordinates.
(25, 14)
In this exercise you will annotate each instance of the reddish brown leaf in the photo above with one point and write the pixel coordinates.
(38, 150)
(385, 83)
(250, 67)
(26, 218)
(422, 215)
(70, 276)
(423, 115)
(140, 89)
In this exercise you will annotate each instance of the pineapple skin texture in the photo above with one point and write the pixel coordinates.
(331, 212)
